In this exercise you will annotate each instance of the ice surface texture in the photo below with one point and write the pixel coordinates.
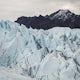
(52, 54)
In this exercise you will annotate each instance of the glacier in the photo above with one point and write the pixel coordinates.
(32, 54)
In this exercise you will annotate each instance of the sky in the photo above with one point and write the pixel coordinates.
(12, 9)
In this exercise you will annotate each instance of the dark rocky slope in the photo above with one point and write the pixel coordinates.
(61, 18)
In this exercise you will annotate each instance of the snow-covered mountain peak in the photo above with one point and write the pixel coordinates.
(61, 14)
(64, 11)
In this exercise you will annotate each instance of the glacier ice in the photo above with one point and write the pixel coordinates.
(52, 54)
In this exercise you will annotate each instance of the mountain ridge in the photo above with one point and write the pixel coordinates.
(60, 18)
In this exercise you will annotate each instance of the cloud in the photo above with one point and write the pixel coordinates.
(11, 9)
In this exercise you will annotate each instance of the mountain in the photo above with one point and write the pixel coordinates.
(32, 54)
(61, 18)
